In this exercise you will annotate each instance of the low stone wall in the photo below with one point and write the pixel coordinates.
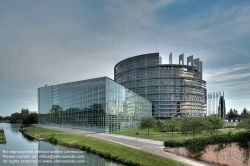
(230, 155)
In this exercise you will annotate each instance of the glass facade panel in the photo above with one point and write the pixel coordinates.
(99, 105)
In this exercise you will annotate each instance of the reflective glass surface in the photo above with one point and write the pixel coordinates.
(99, 105)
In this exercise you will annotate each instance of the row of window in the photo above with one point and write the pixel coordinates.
(126, 77)
(167, 80)
(144, 60)
(168, 90)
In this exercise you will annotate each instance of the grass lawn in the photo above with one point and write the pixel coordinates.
(164, 136)
(2, 137)
(115, 151)
(1, 134)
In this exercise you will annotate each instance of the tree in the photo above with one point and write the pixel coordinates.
(235, 113)
(16, 117)
(193, 125)
(215, 123)
(232, 114)
(147, 122)
(6, 118)
(244, 113)
(160, 125)
(30, 119)
(25, 111)
(172, 125)
(222, 107)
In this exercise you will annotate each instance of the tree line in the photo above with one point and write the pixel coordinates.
(184, 125)
(25, 117)
(233, 114)
(4, 118)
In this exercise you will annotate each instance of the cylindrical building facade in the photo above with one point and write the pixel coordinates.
(173, 89)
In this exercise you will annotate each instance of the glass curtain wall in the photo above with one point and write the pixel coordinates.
(99, 105)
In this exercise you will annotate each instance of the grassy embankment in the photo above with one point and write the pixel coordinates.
(2, 136)
(111, 150)
(164, 136)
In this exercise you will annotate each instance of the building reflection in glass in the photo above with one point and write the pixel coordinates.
(99, 105)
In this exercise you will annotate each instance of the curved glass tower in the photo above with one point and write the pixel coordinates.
(173, 89)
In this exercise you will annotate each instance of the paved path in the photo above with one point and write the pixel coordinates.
(152, 146)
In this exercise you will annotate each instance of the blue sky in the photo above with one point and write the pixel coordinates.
(52, 42)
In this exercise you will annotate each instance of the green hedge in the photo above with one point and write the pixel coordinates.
(230, 127)
(172, 143)
(197, 145)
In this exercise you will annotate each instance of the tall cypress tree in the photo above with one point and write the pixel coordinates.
(222, 107)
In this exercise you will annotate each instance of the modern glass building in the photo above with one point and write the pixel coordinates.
(99, 105)
(173, 89)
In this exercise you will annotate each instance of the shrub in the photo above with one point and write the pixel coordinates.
(53, 140)
(229, 127)
(229, 132)
(193, 126)
(216, 123)
(242, 139)
(197, 145)
(173, 143)
(194, 146)
(160, 126)
(244, 124)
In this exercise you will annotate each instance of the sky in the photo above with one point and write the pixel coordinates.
(59, 41)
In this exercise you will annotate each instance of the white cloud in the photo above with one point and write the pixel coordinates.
(55, 42)
(211, 74)
(239, 100)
